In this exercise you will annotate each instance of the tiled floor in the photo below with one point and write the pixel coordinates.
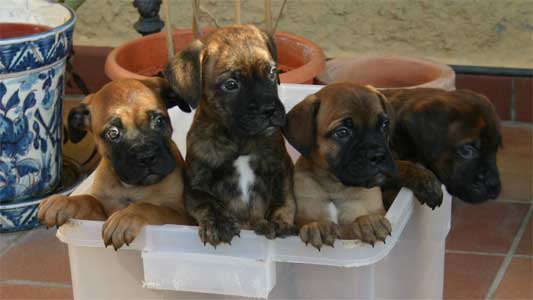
(489, 249)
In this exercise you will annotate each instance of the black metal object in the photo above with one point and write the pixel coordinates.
(149, 21)
(494, 71)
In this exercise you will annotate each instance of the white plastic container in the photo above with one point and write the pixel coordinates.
(170, 262)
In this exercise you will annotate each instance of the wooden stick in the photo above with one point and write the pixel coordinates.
(170, 41)
(279, 16)
(197, 33)
(238, 12)
(268, 17)
(210, 15)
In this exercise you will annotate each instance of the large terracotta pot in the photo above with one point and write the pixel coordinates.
(299, 59)
(389, 72)
(32, 66)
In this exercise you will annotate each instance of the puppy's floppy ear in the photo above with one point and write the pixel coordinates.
(184, 73)
(79, 121)
(300, 129)
(162, 87)
(387, 107)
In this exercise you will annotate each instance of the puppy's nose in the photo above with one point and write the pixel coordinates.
(268, 110)
(376, 156)
(145, 154)
(493, 185)
(147, 158)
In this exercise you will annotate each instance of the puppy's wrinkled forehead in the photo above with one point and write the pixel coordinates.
(471, 116)
(341, 101)
(127, 101)
(237, 48)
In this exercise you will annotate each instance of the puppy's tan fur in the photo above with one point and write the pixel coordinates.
(128, 207)
(323, 201)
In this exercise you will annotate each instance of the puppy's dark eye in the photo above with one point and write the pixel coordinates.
(468, 151)
(112, 133)
(384, 125)
(159, 122)
(342, 133)
(230, 85)
(273, 73)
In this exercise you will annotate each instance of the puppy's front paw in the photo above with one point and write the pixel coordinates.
(121, 228)
(319, 233)
(276, 228)
(218, 230)
(56, 210)
(370, 228)
(427, 188)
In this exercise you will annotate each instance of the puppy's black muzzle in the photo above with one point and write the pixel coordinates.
(146, 154)
(263, 119)
(143, 162)
(484, 186)
(491, 182)
(365, 164)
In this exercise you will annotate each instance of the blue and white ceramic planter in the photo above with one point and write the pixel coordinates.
(32, 71)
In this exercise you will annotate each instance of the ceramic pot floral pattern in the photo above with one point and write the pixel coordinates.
(31, 88)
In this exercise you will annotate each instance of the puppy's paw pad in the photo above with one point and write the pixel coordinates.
(56, 210)
(121, 228)
(371, 228)
(319, 233)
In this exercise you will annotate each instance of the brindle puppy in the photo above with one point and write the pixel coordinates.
(454, 134)
(238, 172)
(139, 179)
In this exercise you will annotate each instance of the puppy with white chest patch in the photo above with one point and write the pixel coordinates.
(342, 132)
(238, 172)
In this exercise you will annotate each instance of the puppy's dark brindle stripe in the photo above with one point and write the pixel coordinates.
(455, 134)
(139, 179)
(238, 172)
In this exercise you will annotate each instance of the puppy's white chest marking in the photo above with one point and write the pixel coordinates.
(333, 214)
(246, 176)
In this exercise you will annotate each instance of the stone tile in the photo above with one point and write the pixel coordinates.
(29, 292)
(469, 276)
(8, 238)
(40, 256)
(518, 280)
(526, 244)
(515, 162)
(487, 227)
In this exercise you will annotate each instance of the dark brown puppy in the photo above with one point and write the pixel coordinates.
(139, 179)
(455, 134)
(342, 132)
(238, 172)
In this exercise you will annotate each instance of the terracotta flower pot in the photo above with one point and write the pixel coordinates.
(389, 72)
(300, 60)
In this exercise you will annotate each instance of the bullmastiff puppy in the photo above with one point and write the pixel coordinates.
(238, 172)
(342, 132)
(455, 134)
(139, 179)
